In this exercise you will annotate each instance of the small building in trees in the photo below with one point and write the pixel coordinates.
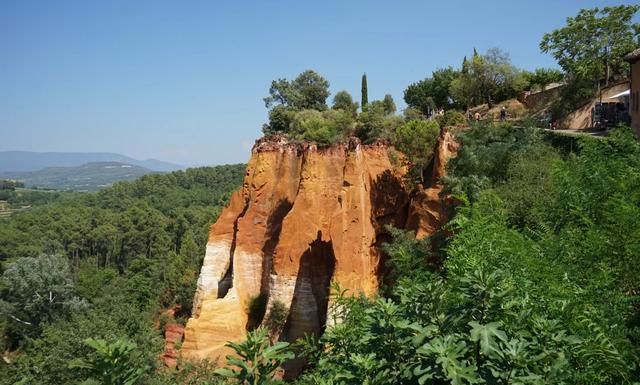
(634, 106)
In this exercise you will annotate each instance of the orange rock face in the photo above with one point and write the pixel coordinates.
(304, 217)
(428, 208)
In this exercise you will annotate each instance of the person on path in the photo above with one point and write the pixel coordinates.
(503, 114)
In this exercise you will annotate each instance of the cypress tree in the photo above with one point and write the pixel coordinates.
(365, 94)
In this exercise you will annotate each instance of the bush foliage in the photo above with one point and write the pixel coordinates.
(311, 121)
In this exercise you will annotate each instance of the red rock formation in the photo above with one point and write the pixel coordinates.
(428, 209)
(172, 335)
(304, 217)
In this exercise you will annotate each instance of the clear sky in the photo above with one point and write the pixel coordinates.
(183, 81)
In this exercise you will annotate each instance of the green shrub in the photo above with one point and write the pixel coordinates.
(451, 118)
(188, 373)
(325, 128)
(484, 156)
(258, 359)
(376, 124)
(163, 320)
(255, 310)
(530, 188)
(412, 113)
(417, 140)
(110, 362)
(277, 316)
(343, 101)
(280, 118)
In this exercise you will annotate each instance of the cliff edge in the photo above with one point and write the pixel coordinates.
(304, 217)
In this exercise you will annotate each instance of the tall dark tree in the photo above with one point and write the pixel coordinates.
(365, 93)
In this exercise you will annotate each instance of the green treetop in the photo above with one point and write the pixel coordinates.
(343, 101)
(593, 43)
(488, 78)
(307, 91)
(389, 104)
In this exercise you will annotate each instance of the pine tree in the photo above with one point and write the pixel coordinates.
(365, 92)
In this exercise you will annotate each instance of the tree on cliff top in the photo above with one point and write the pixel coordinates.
(343, 101)
(417, 140)
(308, 91)
(593, 43)
(419, 95)
(364, 92)
(434, 92)
(389, 105)
(377, 122)
(487, 78)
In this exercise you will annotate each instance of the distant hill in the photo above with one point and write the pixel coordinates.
(21, 161)
(87, 177)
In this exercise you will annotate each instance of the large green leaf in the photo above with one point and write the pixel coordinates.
(488, 335)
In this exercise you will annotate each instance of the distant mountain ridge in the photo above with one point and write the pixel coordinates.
(87, 177)
(25, 161)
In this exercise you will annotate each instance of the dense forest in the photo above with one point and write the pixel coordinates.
(102, 266)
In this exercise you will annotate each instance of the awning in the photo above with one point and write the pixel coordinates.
(623, 93)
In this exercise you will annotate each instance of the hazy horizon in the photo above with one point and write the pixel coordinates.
(184, 82)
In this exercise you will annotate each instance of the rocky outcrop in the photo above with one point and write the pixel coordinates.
(305, 216)
(172, 335)
(428, 211)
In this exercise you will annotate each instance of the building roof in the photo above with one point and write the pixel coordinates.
(633, 56)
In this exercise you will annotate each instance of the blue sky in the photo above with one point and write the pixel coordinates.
(183, 81)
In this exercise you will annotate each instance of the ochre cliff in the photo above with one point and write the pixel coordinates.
(428, 209)
(304, 217)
